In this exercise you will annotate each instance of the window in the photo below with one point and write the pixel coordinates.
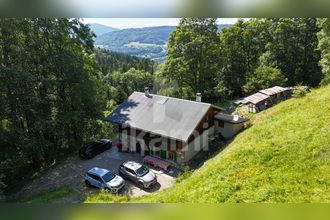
(142, 171)
(151, 135)
(130, 171)
(163, 154)
(108, 176)
(221, 124)
(97, 178)
(169, 141)
(207, 118)
(171, 155)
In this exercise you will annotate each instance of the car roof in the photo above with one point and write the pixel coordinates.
(105, 140)
(132, 165)
(92, 143)
(98, 171)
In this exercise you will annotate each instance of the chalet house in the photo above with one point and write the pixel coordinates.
(168, 128)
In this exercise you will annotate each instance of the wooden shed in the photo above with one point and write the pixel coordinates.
(277, 93)
(258, 102)
(228, 125)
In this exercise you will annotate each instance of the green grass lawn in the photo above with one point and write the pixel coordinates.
(283, 157)
(50, 196)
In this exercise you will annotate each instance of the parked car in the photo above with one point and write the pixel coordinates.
(138, 173)
(93, 148)
(104, 179)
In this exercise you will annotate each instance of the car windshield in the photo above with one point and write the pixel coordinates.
(142, 171)
(108, 177)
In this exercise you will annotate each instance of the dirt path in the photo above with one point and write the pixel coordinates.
(71, 173)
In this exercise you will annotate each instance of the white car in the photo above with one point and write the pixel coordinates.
(104, 179)
(138, 173)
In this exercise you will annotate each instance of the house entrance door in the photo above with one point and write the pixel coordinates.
(138, 148)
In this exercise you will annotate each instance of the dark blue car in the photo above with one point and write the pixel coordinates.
(93, 148)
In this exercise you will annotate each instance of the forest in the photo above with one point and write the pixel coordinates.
(56, 88)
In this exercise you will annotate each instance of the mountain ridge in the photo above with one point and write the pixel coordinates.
(146, 42)
(100, 29)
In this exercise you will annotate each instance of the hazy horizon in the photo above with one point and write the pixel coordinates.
(123, 23)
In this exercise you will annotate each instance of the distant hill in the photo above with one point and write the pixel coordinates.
(100, 29)
(110, 61)
(148, 42)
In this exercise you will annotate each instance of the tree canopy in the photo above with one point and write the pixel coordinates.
(50, 102)
(192, 56)
(224, 65)
(263, 77)
(324, 47)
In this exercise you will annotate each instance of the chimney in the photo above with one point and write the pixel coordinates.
(146, 92)
(198, 97)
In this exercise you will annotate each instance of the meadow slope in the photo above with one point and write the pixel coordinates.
(283, 157)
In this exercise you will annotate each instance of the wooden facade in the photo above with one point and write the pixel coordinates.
(164, 147)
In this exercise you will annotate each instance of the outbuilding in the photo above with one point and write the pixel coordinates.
(277, 93)
(229, 125)
(258, 102)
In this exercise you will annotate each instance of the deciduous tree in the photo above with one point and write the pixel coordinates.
(192, 56)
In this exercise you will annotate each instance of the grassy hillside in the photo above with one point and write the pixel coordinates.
(283, 157)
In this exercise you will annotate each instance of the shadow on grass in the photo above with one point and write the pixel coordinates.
(214, 148)
(48, 197)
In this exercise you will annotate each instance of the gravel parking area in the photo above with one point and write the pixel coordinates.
(71, 173)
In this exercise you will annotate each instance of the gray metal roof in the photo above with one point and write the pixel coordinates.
(274, 90)
(230, 118)
(240, 101)
(165, 116)
(256, 98)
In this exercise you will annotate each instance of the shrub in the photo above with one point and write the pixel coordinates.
(184, 175)
(300, 91)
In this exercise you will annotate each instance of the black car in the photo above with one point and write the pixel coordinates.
(93, 148)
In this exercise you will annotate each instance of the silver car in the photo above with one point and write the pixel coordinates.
(138, 173)
(104, 179)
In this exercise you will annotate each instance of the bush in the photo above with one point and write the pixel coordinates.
(184, 175)
(300, 91)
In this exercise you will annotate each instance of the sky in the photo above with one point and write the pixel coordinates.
(144, 22)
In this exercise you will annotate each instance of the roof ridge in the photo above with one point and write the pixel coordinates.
(201, 103)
